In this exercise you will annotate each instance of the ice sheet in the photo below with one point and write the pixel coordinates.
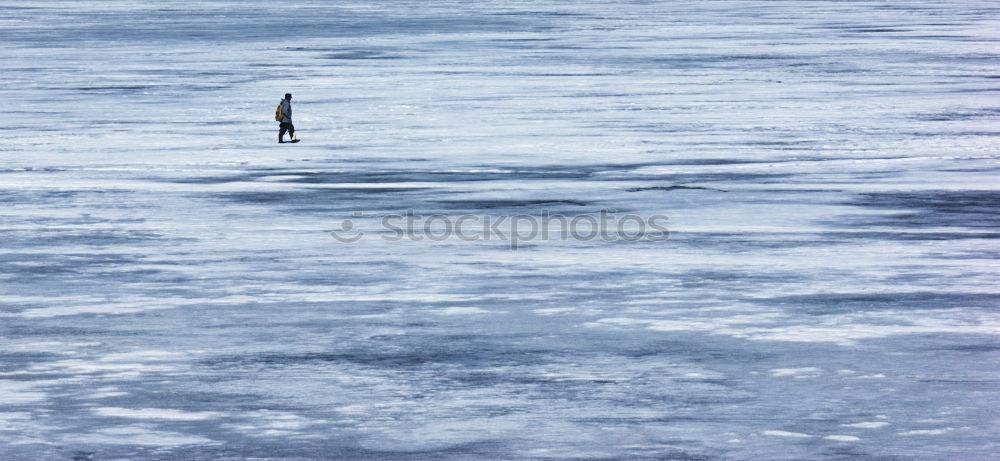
(170, 287)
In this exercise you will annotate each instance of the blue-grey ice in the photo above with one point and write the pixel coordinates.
(170, 288)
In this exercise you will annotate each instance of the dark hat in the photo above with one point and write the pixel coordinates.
(288, 96)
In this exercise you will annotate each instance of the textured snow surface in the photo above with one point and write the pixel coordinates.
(170, 290)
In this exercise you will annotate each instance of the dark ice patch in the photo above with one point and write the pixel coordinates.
(846, 303)
(688, 61)
(536, 14)
(745, 242)
(17, 361)
(987, 113)
(82, 237)
(358, 55)
(610, 171)
(734, 280)
(685, 178)
(403, 356)
(39, 196)
(990, 347)
(848, 237)
(869, 30)
(114, 89)
(493, 204)
(977, 209)
(671, 188)
(389, 176)
(78, 270)
(316, 199)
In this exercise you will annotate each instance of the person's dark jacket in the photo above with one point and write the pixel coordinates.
(286, 111)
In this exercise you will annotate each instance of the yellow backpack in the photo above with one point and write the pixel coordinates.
(278, 113)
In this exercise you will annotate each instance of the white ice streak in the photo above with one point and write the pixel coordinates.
(918, 432)
(122, 364)
(844, 329)
(77, 366)
(794, 435)
(20, 392)
(147, 355)
(867, 425)
(843, 438)
(51, 347)
(270, 423)
(131, 306)
(555, 310)
(806, 372)
(159, 414)
(106, 393)
(138, 435)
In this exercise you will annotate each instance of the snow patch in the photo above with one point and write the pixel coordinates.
(842, 438)
(941, 431)
(795, 435)
(273, 423)
(867, 425)
(806, 372)
(164, 414)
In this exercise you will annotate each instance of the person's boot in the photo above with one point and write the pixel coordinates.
(295, 138)
(281, 139)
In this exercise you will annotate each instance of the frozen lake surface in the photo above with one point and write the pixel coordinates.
(170, 289)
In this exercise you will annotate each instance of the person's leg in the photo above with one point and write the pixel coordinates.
(283, 127)
(291, 131)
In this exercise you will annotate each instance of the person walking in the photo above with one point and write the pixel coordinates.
(285, 122)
